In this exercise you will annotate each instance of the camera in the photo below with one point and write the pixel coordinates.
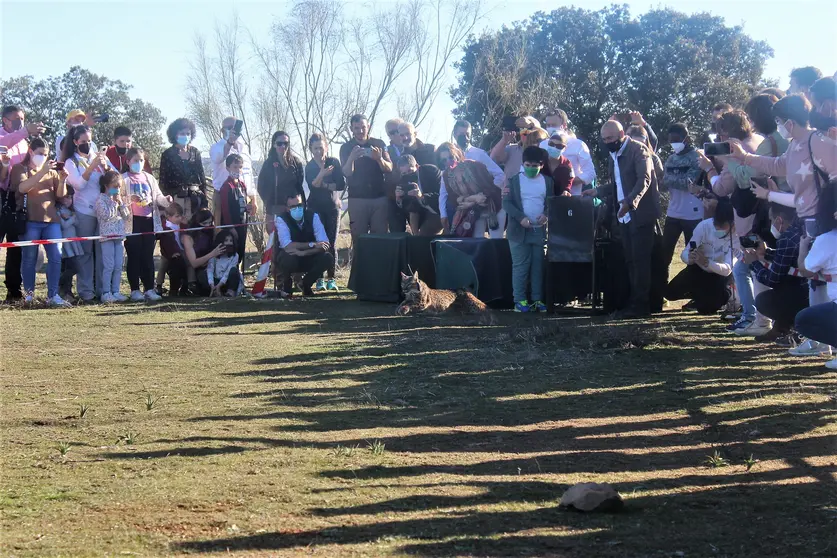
(749, 241)
(101, 118)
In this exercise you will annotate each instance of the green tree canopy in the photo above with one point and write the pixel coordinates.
(668, 65)
(49, 100)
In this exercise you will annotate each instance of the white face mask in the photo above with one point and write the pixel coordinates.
(775, 232)
(38, 160)
(783, 131)
(678, 146)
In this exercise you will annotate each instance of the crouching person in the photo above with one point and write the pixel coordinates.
(304, 246)
(709, 257)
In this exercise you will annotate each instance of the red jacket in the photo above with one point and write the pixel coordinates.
(120, 162)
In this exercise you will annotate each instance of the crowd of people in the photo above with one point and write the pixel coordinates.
(755, 208)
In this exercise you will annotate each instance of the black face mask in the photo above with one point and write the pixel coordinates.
(462, 141)
(410, 177)
(615, 146)
(121, 150)
(230, 250)
(821, 122)
(84, 148)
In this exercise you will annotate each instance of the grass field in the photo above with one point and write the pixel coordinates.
(332, 427)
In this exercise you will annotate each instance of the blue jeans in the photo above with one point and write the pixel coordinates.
(527, 265)
(744, 286)
(819, 323)
(42, 231)
(88, 264)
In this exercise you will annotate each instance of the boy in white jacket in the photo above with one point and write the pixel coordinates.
(709, 257)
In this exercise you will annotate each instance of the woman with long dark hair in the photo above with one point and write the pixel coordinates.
(198, 249)
(281, 177)
(181, 168)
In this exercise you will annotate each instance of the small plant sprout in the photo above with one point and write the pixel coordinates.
(150, 401)
(63, 448)
(82, 410)
(129, 438)
(716, 460)
(750, 462)
(343, 451)
(377, 447)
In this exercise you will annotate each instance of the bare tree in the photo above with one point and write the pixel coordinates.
(435, 41)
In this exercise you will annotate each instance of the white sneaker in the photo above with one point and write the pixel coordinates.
(119, 297)
(754, 330)
(136, 296)
(107, 298)
(831, 364)
(152, 296)
(58, 302)
(811, 348)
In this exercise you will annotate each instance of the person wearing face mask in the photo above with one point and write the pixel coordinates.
(84, 168)
(117, 153)
(471, 198)
(234, 204)
(709, 257)
(304, 246)
(418, 195)
(576, 151)
(556, 166)
(75, 117)
(786, 294)
(40, 187)
(230, 143)
(112, 212)
(682, 171)
(525, 204)
(145, 199)
(181, 168)
(13, 136)
(223, 277)
(636, 202)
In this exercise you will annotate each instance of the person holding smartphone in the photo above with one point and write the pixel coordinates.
(40, 187)
(709, 257)
(231, 143)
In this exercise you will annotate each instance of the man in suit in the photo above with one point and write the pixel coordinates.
(636, 199)
(418, 194)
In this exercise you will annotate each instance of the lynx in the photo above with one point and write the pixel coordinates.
(418, 297)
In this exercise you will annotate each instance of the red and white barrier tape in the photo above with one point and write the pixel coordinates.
(24, 243)
(824, 277)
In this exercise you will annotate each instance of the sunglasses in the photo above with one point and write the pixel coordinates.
(282, 143)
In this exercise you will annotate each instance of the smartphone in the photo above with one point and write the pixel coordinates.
(811, 228)
(3, 150)
(623, 116)
(237, 126)
(692, 245)
(715, 149)
(367, 151)
(101, 118)
(749, 241)
(59, 165)
(510, 123)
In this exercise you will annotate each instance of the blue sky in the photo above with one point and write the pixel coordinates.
(148, 44)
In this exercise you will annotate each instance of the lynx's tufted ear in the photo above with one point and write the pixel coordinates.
(415, 275)
(404, 275)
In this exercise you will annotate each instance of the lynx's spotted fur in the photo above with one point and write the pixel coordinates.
(418, 297)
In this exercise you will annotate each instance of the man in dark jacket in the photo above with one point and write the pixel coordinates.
(635, 197)
(418, 195)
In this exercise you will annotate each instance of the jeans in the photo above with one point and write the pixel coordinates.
(744, 285)
(313, 266)
(329, 219)
(90, 261)
(671, 234)
(819, 323)
(707, 289)
(42, 231)
(527, 265)
(141, 254)
(112, 259)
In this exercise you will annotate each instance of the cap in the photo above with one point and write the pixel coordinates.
(74, 113)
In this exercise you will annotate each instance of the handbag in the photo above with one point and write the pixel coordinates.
(491, 220)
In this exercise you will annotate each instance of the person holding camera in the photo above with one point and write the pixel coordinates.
(181, 168)
(418, 194)
(709, 257)
(38, 184)
(325, 180)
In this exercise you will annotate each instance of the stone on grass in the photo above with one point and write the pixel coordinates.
(592, 497)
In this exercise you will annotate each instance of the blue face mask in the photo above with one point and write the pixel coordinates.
(183, 140)
(554, 152)
(136, 167)
(113, 191)
(297, 213)
(720, 234)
